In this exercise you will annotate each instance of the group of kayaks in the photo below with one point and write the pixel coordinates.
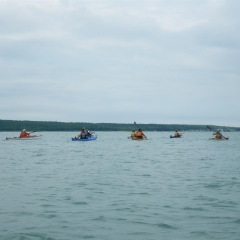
(93, 136)
(90, 138)
(223, 138)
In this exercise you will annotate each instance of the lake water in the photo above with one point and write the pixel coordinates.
(118, 189)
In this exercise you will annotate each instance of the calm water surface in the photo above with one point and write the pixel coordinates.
(116, 188)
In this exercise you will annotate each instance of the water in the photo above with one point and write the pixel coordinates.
(116, 188)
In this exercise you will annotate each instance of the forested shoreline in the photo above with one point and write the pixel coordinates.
(16, 125)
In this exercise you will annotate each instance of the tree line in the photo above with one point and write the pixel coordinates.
(16, 125)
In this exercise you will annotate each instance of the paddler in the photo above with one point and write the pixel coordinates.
(24, 134)
(140, 134)
(88, 134)
(83, 133)
(218, 134)
(133, 135)
(176, 134)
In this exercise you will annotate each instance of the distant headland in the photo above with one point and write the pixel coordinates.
(16, 125)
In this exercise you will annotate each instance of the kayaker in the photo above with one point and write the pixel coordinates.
(140, 134)
(218, 134)
(83, 133)
(88, 134)
(24, 134)
(133, 134)
(176, 134)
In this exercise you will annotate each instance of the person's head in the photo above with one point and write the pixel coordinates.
(218, 131)
(176, 131)
(133, 131)
(83, 129)
(139, 129)
(24, 130)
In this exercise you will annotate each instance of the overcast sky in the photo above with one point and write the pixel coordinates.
(166, 62)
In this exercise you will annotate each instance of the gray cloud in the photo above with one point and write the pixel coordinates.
(119, 61)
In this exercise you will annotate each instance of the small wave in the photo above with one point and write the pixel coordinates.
(82, 184)
(164, 225)
(237, 221)
(140, 222)
(25, 236)
(100, 218)
(140, 233)
(123, 209)
(167, 206)
(51, 216)
(212, 186)
(140, 193)
(79, 203)
(46, 205)
(200, 233)
(193, 209)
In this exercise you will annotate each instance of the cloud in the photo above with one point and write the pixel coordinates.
(115, 61)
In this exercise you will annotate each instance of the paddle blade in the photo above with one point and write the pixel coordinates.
(209, 128)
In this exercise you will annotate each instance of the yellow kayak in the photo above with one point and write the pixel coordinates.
(138, 139)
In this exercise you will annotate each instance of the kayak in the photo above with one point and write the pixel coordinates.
(25, 138)
(175, 136)
(138, 139)
(93, 137)
(226, 138)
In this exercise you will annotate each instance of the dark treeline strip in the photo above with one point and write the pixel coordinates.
(14, 125)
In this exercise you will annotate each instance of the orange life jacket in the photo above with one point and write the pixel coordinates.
(24, 134)
(139, 134)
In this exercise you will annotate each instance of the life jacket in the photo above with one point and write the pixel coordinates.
(139, 134)
(218, 136)
(83, 134)
(176, 134)
(132, 134)
(24, 134)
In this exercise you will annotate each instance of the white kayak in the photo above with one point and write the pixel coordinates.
(24, 138)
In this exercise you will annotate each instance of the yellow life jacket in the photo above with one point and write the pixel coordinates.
(176, 134)
(132, 134)
(218, 136)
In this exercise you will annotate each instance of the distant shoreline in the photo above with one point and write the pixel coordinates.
(54, 126)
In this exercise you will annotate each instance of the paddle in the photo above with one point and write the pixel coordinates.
(139, 128)
(210, 128)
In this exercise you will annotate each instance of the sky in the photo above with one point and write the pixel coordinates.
(162, 61)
